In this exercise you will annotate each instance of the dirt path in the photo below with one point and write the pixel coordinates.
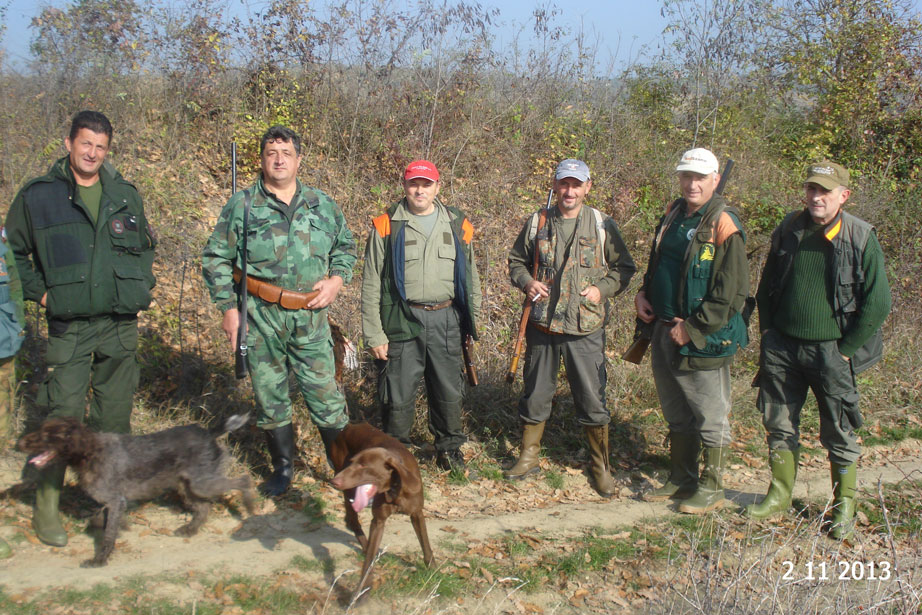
(268, 542)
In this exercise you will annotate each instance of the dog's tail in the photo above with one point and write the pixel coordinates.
(231, 424)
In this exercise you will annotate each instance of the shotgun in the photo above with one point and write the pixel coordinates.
(643, 331)
(527, 303)
(240, 352)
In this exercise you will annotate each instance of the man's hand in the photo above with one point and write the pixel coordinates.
(380, 352)
(643, 307)
(677, 333)
(592, 293)
(536, 291)
(328, 288)
(231, 325)
(42, 302)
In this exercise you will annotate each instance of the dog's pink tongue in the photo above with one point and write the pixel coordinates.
(42, 459)
(363, 495)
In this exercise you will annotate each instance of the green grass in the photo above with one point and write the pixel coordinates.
(301, 563)
(554, 480)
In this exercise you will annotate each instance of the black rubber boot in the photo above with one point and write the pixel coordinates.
(281, 443)
(329, 435)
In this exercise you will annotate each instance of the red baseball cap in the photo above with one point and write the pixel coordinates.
(421, 168)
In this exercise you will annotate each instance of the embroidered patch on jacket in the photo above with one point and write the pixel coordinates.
(118, 227)
(707, 252)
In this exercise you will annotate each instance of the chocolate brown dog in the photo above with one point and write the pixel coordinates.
(115, 469)
(374, 468)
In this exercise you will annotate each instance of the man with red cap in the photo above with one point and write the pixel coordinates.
(420, 297)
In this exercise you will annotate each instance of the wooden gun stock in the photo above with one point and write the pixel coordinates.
(636, 351)
(467, 350)
(519, 342)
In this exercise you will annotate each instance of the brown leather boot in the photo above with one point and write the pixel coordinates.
(601, 466)
(531, 446)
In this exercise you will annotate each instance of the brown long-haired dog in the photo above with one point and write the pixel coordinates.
(375, 469)
(115, 469)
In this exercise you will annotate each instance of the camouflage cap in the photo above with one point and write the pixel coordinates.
(827, 174)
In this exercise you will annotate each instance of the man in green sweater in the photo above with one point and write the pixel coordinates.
(822, 299)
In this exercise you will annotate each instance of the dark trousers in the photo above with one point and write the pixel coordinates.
(434, 356)
(584, 360)
(788, 368)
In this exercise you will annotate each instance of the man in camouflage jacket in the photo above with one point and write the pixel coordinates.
(297, 239)
(582, 263)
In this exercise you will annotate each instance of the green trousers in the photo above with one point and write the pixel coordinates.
(97, 352)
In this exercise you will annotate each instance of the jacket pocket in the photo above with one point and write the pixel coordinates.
(591, 314)
(67, 291)
(131, 291)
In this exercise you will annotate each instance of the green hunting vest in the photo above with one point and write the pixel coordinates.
(697, 268)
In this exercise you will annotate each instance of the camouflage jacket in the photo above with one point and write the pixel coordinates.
(293, 247)
(597, 257)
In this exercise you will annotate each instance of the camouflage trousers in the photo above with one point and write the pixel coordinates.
(98, 351)
(7, 394)
(298, 341)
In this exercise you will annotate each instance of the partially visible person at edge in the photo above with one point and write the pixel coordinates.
(85, 251)
(694, 291)
(822, 299)
(582, 263)
(12, 317)
(420, 298)
(297, 242)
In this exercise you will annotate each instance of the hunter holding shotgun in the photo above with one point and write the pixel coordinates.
(299, 253)
(420, 298)
(568, 268)
(695, 290)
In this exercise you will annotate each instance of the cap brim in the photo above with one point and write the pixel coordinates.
(825, 181)
(694, 169)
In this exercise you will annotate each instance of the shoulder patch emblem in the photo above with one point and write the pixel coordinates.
(118, 227)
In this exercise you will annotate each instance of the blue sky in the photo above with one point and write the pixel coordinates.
(622, 27)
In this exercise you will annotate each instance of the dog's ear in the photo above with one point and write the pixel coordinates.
(405, 476)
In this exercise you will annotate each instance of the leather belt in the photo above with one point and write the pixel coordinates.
(288, 299)
(544, 329)
(431, 307)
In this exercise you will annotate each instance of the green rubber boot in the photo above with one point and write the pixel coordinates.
(710, 493)
(5, 549)
(683, 474)
(45, 517)
(844, 488)
(778, 499)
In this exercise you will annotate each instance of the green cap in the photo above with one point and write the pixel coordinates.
(827, 174)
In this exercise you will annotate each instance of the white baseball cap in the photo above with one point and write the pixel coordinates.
(698, 160)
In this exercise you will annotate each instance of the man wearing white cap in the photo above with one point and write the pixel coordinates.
(582, 263)
(694, 290)
(822, 299)
(420, 296)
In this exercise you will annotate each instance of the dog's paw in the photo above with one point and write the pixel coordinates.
(93, 563)
(185, 531)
